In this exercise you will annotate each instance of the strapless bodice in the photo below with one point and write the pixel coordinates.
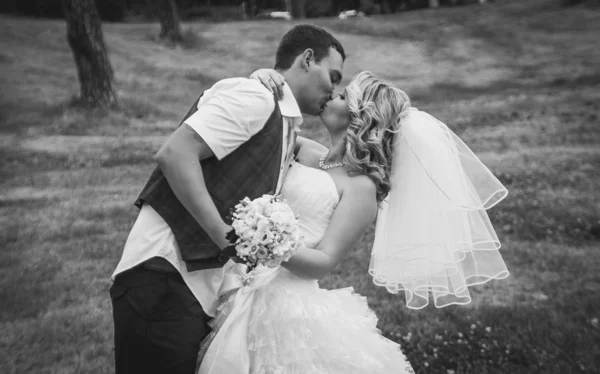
(313, 196)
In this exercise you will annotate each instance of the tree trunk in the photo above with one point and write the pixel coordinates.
(335, 7)
(244, 10)
(252, 8)
(396, 5)
(169, 20)
(393, 5)
(298, 9)
(84, 34)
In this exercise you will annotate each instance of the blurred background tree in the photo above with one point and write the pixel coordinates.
(109, 10)
(168, 16)
(169, 12)
(226, 10)
(298, 8)
(84, 34)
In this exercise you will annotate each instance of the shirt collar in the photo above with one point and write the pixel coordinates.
(289, 108)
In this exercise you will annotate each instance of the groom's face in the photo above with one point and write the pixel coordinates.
(321, 78)
(336, 114)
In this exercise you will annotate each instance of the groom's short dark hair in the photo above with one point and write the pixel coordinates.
(302, 37)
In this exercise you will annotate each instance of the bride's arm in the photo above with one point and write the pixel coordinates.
(271, 79)
(354, 213)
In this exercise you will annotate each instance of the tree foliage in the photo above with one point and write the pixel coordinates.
(223, 10)
(109, 10)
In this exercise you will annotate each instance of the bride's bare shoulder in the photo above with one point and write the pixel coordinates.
(357, 185)
(309, 151)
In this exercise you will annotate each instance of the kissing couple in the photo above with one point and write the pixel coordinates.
(180, 304)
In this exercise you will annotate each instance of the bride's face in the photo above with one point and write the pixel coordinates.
(336, 113)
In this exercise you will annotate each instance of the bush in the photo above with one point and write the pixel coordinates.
(37, 8)
(577, 2)
(110, 10)
(317, 8)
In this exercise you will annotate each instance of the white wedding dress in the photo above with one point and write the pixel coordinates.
(280, 323)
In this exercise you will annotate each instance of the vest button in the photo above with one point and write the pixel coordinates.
(221, 258)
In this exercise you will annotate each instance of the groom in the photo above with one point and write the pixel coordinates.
(237, 140)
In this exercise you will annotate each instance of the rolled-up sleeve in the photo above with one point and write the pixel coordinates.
(230, 113)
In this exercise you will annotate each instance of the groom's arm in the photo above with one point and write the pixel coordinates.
(179, 160)
(224, 121)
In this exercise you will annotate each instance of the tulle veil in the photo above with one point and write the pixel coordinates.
(433, 234)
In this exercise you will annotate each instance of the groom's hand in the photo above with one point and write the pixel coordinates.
(230, 252)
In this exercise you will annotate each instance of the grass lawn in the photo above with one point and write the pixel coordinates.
(518, 81)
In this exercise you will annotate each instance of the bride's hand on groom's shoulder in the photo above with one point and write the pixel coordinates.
(270, 79)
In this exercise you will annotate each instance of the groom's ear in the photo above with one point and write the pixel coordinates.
(307, 58)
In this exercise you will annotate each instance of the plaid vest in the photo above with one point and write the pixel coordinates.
(251, 170)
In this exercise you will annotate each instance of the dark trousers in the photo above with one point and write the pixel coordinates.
(158, 322)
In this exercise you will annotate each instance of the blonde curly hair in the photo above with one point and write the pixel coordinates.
(376, 110)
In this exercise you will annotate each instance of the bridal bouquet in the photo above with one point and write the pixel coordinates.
(265, 231)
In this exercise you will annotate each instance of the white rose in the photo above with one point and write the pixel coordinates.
(277, 207)
(261, 253)
(293, 233)
(262, 224)
(260, 204)
(261, 236)
(242, 249)
(278, 217)
(250, 220)
(281, 248)
(267, 238)
(240, 228)
(272, 263)
(247, 233)
(270, 209)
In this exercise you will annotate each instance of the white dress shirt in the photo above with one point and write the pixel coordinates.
(229, 114)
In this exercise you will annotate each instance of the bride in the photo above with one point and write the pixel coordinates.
(428, 192)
